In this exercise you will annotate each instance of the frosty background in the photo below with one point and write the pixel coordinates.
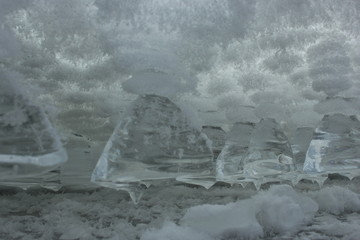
(85, 60)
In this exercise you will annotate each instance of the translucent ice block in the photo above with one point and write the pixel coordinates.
(154, 141)
(217, 136)
(335, 146)
(83, 154)
(300, 142)
(269, 153)
(229, 164)
(29, 146)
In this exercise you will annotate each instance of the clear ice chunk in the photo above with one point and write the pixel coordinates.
(335, 146)
(300, 142)
(30, 148)
(229, 164)
(154, 141)
(269, 154)
(83, 153)
(217, 136)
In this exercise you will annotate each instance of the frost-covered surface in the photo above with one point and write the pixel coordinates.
(84, 61)
(240, 59)
(184, 213)
(29, 144)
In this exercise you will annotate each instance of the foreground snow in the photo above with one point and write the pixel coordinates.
(185, 213)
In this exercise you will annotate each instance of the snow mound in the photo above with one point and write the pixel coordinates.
(280, 210)
(336, 200)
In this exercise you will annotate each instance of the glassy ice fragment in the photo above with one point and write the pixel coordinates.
(335, 146)
(217, 136)
(269, 152)
(229, 163)
(83, 153)
(154, 141)
(300, 142)
(49, 180)
(29, 145)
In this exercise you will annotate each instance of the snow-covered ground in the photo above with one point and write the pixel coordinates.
(178, 212)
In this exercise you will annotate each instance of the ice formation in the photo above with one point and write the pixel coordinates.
(83, 153)
(230, 162)
(83, 62)
(269, 152)
(299, 144)
(154, 141)
(231, 61)
(335, 146)
(257, 152)
(30, 149)
(217, 136)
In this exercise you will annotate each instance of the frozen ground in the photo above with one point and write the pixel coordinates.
(183, 213)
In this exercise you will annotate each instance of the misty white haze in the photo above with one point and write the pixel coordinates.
(80, 67)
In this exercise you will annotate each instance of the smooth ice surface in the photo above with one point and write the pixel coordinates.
(154, 140)
(300, 142)
(29, 145)
(217, 137)
(269, 152)
(83, 153)
(335, 146)
(230, 162)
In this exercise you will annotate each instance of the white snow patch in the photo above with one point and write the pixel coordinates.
(219, 220)
(178, 212)
(280, 210)
(336, 200)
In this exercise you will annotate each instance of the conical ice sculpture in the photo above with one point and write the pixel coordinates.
(256, 153)
(30, 148)
(230, 162)
(154, 141)
(217, 136)
(270, 154)
(335, 147)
